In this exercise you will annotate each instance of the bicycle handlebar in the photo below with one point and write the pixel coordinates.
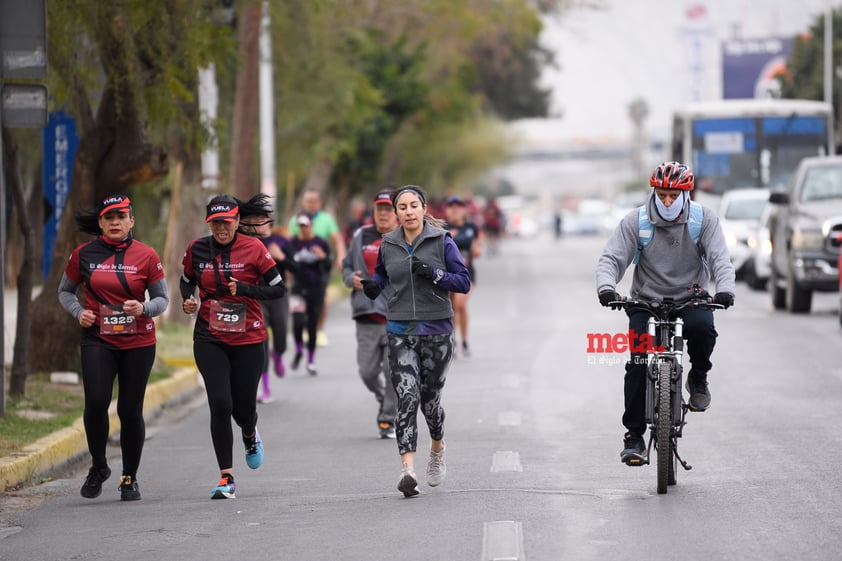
(659, 306)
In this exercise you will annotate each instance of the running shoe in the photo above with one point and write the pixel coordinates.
(633, 449)
(278, 360)
(408, 483)
(92, 487)
(264, 397)
(466, 352)
(436, 468)
(254, 452)
(296, 360)
(128, 489)
(225, 488)
(697, 385)
(386, 430)
(311, 369)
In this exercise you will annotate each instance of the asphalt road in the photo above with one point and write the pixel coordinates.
(533, 434)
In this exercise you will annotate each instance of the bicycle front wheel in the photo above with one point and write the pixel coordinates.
(663, 425)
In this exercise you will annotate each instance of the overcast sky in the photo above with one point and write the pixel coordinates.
(641, 49)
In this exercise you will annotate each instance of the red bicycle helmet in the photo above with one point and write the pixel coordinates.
(673, 175)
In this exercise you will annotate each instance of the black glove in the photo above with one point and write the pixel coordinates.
(421, 269)
(608, 296)
(370, 288)
(726, 299)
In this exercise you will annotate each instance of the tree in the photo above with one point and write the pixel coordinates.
(122, 69)
(805, 66)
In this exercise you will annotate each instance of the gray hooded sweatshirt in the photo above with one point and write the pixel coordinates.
(672, 263)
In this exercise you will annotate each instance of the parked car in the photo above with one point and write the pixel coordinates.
(739, 214)
(805, 231)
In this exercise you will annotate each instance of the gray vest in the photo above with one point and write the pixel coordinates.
(414, 298)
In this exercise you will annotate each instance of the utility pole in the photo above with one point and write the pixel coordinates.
(267, 108)
(23, 56)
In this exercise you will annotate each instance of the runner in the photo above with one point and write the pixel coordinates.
(310, 266)
(256, 220)
(421, 263)
(468, 240)
(325, 227)
(370, 316)
(229, 332)
(118, 334)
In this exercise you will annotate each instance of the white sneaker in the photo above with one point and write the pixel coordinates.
(408, 483)
(436, 468)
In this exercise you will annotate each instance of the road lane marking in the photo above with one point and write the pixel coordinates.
(502, 541)
(506, 461)
(509, 419)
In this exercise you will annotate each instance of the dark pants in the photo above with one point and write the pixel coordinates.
(231, 375)
(131, 367)
(314, 299)
(276, 318)
(700, 335)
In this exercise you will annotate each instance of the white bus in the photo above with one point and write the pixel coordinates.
(749, 143)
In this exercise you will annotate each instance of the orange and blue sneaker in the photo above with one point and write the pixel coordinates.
(225, 488)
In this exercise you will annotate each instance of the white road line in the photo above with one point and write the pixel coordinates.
(506, 461)
(509, 419)
(502, 541)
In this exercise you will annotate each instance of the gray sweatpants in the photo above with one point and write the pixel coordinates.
(373, 363)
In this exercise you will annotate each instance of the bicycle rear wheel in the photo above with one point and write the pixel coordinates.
(663, 426)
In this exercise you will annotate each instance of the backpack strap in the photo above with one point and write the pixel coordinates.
(645, 229)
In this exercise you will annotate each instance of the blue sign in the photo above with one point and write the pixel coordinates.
(60, 143)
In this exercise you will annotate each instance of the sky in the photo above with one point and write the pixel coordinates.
(644, 49)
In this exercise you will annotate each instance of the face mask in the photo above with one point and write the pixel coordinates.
(671, 212)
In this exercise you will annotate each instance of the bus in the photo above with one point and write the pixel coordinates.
(749, 143)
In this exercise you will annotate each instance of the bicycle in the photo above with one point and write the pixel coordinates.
(664, 379)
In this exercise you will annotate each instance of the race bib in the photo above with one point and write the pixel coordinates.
(297, 305)
(114, 321)
(227, 316)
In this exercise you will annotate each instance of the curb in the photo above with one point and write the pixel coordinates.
(59, 448)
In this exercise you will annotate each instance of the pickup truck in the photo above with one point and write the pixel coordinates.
(805, 230)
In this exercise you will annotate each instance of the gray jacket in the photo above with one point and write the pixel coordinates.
(412, 298)
(362, 305)
(672, 262)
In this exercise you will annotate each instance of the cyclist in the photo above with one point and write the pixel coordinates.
(669, 267)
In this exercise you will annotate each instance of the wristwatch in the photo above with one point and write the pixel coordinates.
(438, 276)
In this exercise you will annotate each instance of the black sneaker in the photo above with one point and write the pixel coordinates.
(466, 352)
(92, 487)
(697, 386)
(634, 449)
(128, 489)
(296, 361)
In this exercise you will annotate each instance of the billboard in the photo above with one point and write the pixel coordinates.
(60, 143)
(750, 67)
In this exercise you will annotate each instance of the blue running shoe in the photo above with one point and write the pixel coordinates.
(225, 488)
(254, 452)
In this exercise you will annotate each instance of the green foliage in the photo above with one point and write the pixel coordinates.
(806, 63)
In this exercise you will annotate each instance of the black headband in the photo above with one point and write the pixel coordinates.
(409, 188)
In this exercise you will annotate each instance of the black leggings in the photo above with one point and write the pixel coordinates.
(276, 319)
(231, 375)
(131, 367)
(314, 300)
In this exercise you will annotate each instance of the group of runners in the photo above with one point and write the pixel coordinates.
(410, 275)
